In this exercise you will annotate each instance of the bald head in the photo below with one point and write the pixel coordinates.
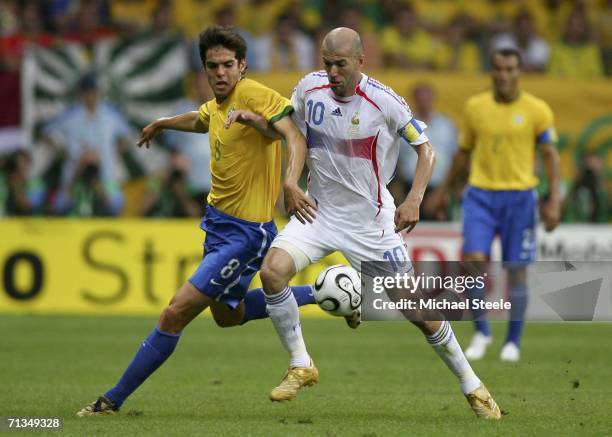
(343, 40)
(343, 58)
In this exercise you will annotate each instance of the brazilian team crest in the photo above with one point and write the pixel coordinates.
(230, 111)
(518, 119)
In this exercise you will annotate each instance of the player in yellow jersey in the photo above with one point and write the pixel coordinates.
(246, 121)
(501, 133)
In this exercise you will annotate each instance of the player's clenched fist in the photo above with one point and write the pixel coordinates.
(407, 215)
(550, 211)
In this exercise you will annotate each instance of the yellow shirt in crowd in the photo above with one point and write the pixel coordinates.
(579, 61)
(420, 47)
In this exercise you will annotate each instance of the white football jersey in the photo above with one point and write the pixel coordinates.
(353, 148)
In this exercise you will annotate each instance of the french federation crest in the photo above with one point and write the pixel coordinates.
(354, 127)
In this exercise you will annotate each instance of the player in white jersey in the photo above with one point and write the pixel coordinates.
(353, 125)
(353, 147)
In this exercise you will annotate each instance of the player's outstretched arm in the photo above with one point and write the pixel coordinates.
(187, 122)
(551, 208)
(407, 214)
(296, 201)
(456, 177)
(252, 119)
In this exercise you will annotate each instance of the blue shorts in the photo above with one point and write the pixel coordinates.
(510, 214)
(233, 252)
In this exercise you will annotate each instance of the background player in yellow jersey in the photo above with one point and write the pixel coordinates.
(501, 132)
(244, 121)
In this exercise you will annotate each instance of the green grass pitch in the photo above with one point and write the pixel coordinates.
(380, 380)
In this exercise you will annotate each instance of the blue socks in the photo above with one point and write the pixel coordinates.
(482, 326)
(158, 346)
(480, 316)
(255, 302)
(518, 298)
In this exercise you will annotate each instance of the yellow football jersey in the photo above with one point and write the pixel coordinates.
(503, 139)
(245, 165)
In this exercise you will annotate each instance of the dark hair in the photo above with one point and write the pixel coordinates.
(508, 51)
(222, 36)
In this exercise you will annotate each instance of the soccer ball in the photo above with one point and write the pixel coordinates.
(337, 290)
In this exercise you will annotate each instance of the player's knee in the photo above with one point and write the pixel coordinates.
(171, 320)
(272, 276)
(277, 269)
(427, 327)
(267, 274)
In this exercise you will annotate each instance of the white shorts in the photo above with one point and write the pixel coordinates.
(310, 242)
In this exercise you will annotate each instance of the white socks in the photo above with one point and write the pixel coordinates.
(283, 311)
(446, 346)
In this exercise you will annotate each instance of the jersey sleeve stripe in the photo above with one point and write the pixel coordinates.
(286, 111)
(376, 84)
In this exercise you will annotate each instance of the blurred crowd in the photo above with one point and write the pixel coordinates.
(87, 157)
(571, 38)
